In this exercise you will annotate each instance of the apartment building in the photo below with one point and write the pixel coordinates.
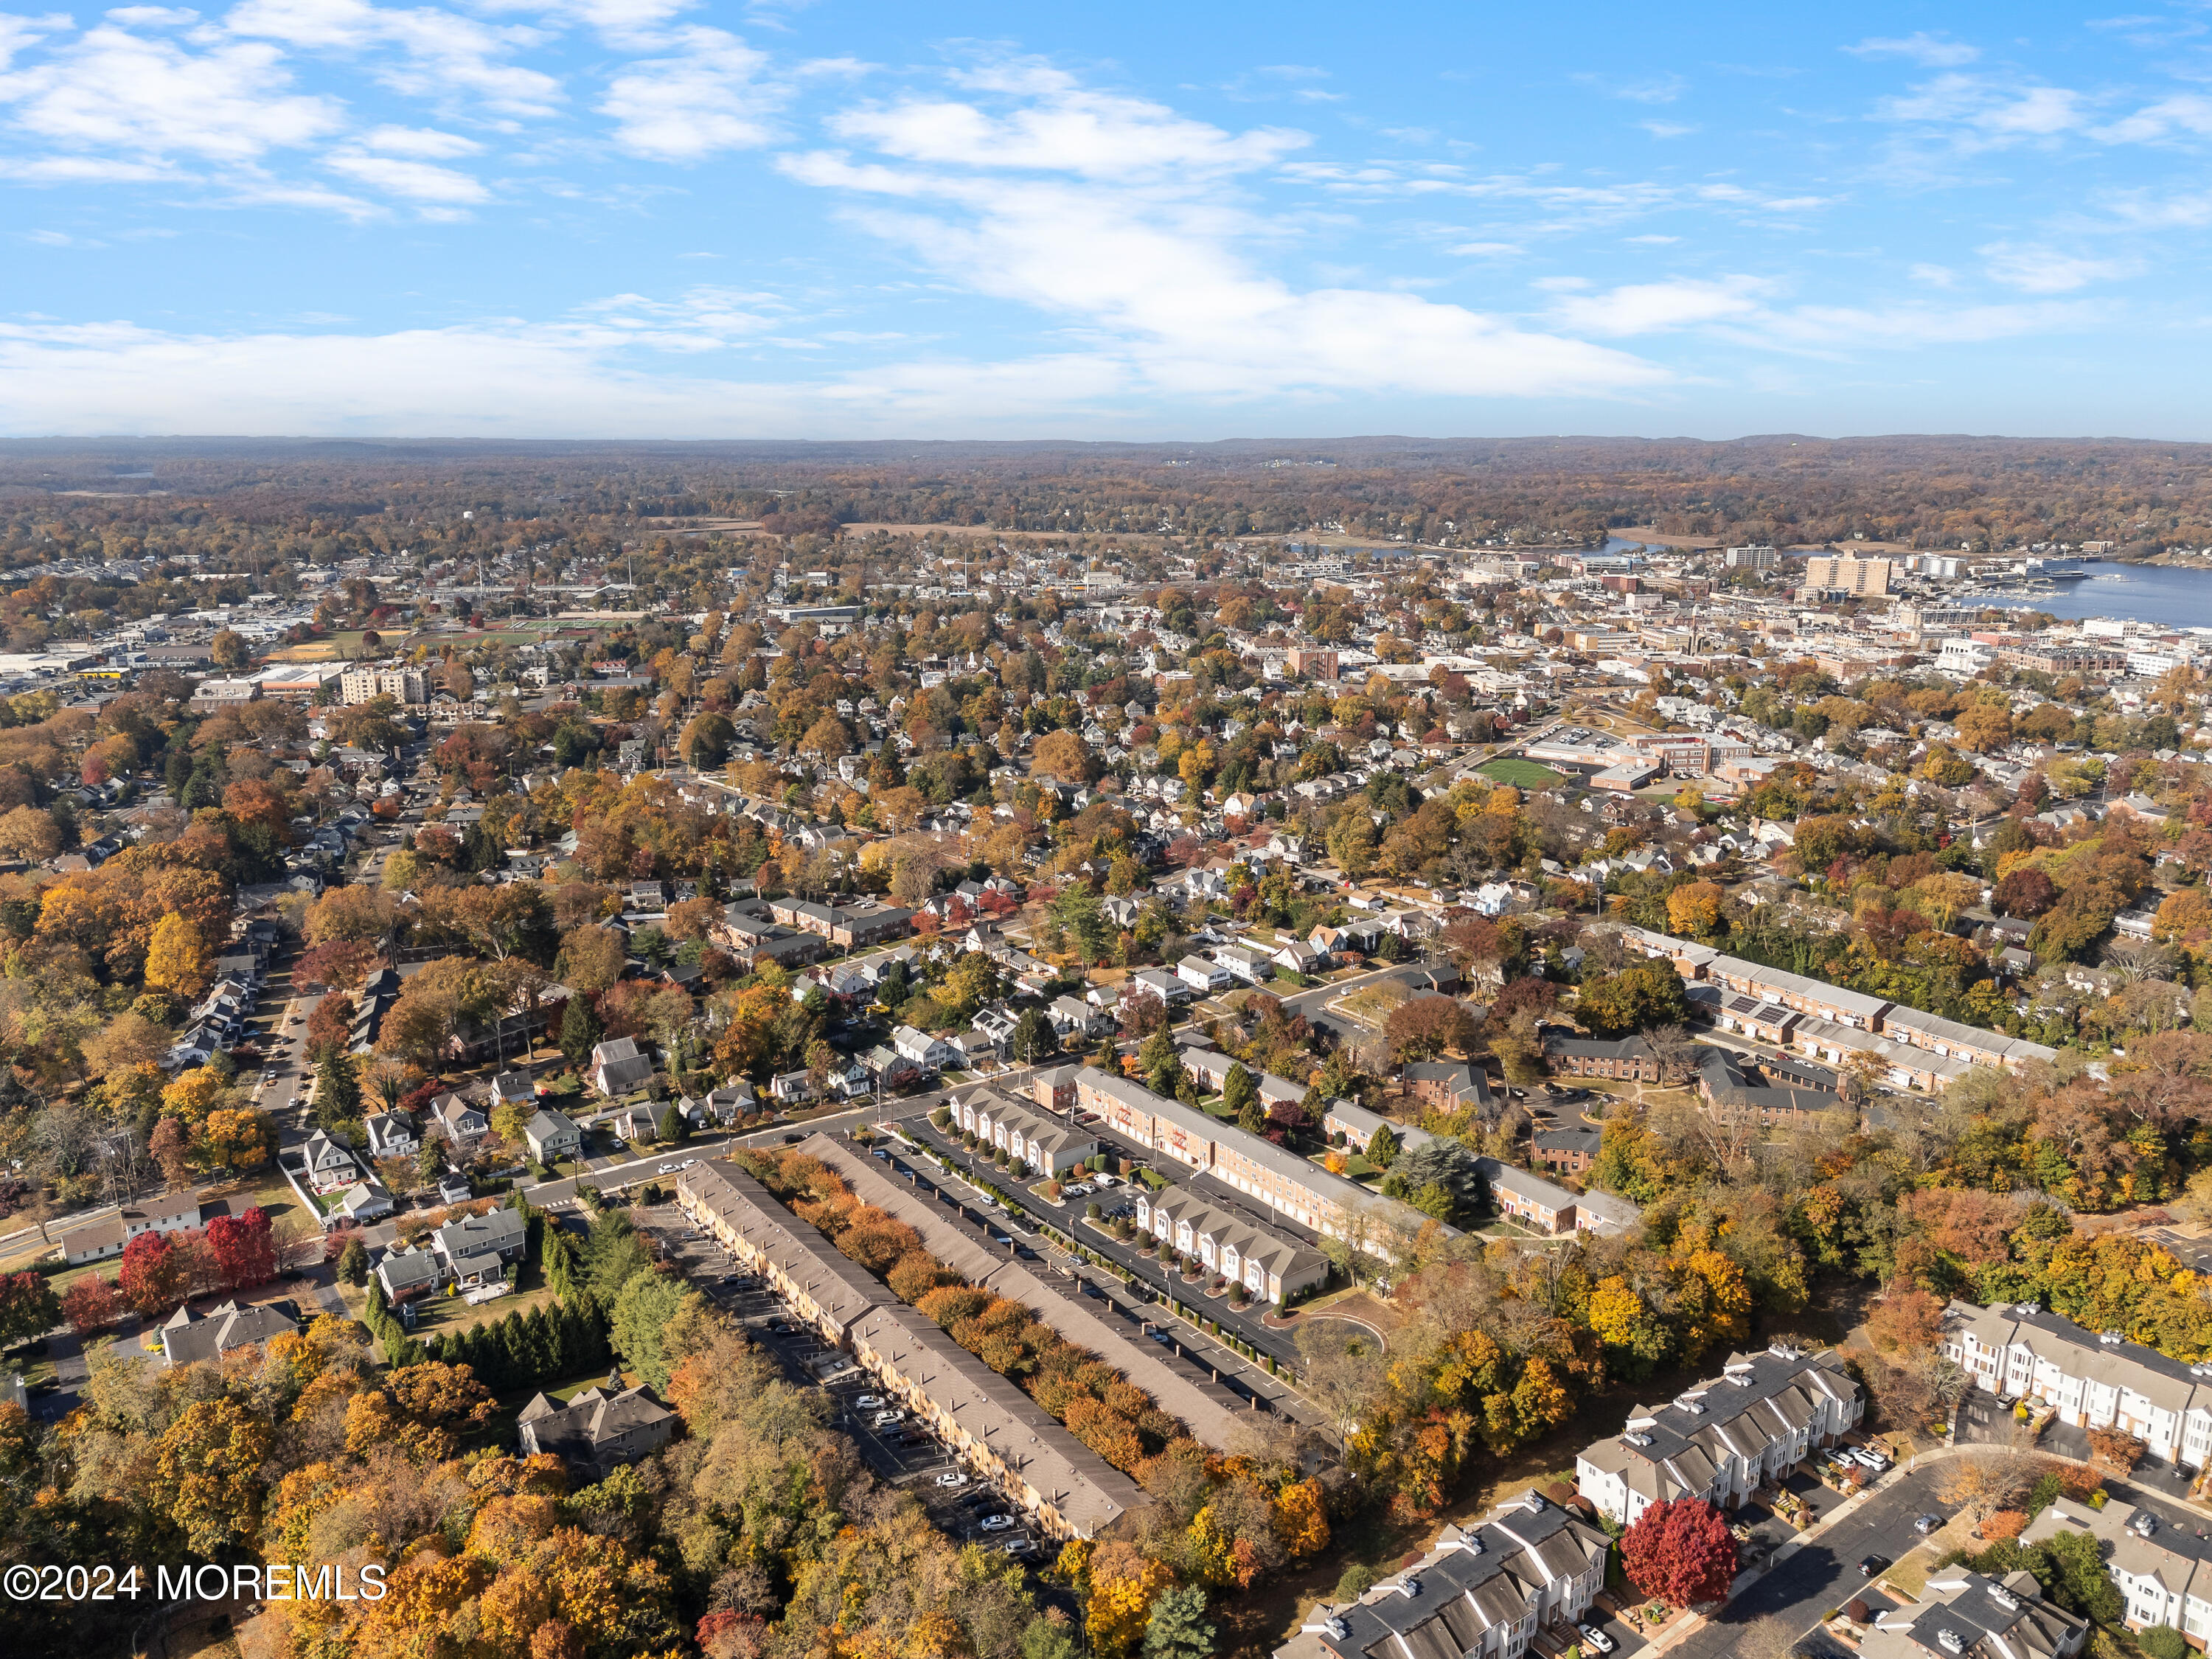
(1966, 1615)
(1269, 1264)
(1310, 663)
(2094, 1379)
(1048, 1145)
(1073, 1492)
(402, 686)
(1915, 1050)
(1722, 1439)
(1553, 1210)
(1862, 578)
(1290, 1185)
(1482, 1592)
(2164, 1573)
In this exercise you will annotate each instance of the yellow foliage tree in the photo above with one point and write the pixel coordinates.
(1300, 1521)
(1695, 910)
(234, 1139)
(1124, 1584)
(192, 1096)
(178, 958)
(209, 1466)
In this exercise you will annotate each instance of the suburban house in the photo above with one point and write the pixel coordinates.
(617, 1067)
(172, 1213)
(476, 1248)
(407, 1273)
(1722, 1439)
(188, 1338)
(929, 1053)
(596, 1431)
(392, 1134)
(1485, 1591)
(551, 1135)
(2095, 1379)
(513, 1089)
(328, 1163)
(456, 1121)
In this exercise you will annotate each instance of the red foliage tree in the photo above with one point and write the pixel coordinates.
(153, 1275)
(1680, 1553)
(244, 1249)
(91, 1304)
(340, 961)
(330, 1027)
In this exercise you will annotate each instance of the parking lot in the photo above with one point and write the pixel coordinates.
(901, 1451)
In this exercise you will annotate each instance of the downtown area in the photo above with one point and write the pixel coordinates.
(1359, 1051)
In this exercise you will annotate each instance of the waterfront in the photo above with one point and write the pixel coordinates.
(2166, 596)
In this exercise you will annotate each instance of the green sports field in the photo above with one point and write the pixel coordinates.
(1521, 774)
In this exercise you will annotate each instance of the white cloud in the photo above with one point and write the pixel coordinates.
(426, 143)
(1667, 129)
(1656, 307)
(1985, 114)
(708, 97)
(2186, 113)
(418, 181)
(1069, 129)
(17, 32)
(2035, 269)
(112, 90)
(1919, 47)
(1934, 275)
(152, 17)
(439, 55)
(1119, 217)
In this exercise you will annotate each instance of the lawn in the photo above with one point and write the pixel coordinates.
(1522, 773)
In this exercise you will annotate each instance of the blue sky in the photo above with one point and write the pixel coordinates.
(643, 218)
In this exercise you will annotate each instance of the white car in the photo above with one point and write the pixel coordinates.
(666, 1168)
(997, 1522)
(1870, 1460)
(1019, 1545)
(954, 1479)
(885, 1419)
(868, 1401)
(687, 1162)
(1596, 1638)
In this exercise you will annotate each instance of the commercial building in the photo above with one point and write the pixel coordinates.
(1723, 1439)
(2094, 1379)
(1489, 1591)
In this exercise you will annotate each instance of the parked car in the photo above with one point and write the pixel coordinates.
(952, 1478)
(1927, 1523)
(1873, 1564)
(869, 1401)
(666, 1168)
(1019, 1545)
(1596, 1638)
(885, 1419)
(997, 1522)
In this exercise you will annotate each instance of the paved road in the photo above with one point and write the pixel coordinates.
(1824, 1574)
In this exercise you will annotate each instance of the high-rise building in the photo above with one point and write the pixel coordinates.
(1862, 577)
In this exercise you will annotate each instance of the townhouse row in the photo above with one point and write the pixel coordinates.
(1297, 1187)
(993, 1426)
(1514, 1582)
(1829, 1023)
(2093, 1379)
(1723, 1439)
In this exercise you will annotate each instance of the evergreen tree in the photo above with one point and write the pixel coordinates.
(545, 1344)
(515, 1351)
(581, 1030)
(353, 1263)
(1178, 1627)
(337, 1093)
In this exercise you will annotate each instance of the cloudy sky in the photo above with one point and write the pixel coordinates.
(649, 218)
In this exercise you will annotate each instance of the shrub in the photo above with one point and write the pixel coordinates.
(2162, 1642)
(1354, 1582)
(1092, 1210)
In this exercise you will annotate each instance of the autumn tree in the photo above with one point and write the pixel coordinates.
(1064, 755)
(179, 961)
(91, 1304)
(1694, 909)
(152, 1275)
(28, 1307)
(1680, 1553)
(1422, 1027)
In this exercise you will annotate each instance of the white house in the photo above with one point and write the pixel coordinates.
(924, 1050)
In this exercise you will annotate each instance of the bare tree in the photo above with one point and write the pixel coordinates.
(1671, 1046)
